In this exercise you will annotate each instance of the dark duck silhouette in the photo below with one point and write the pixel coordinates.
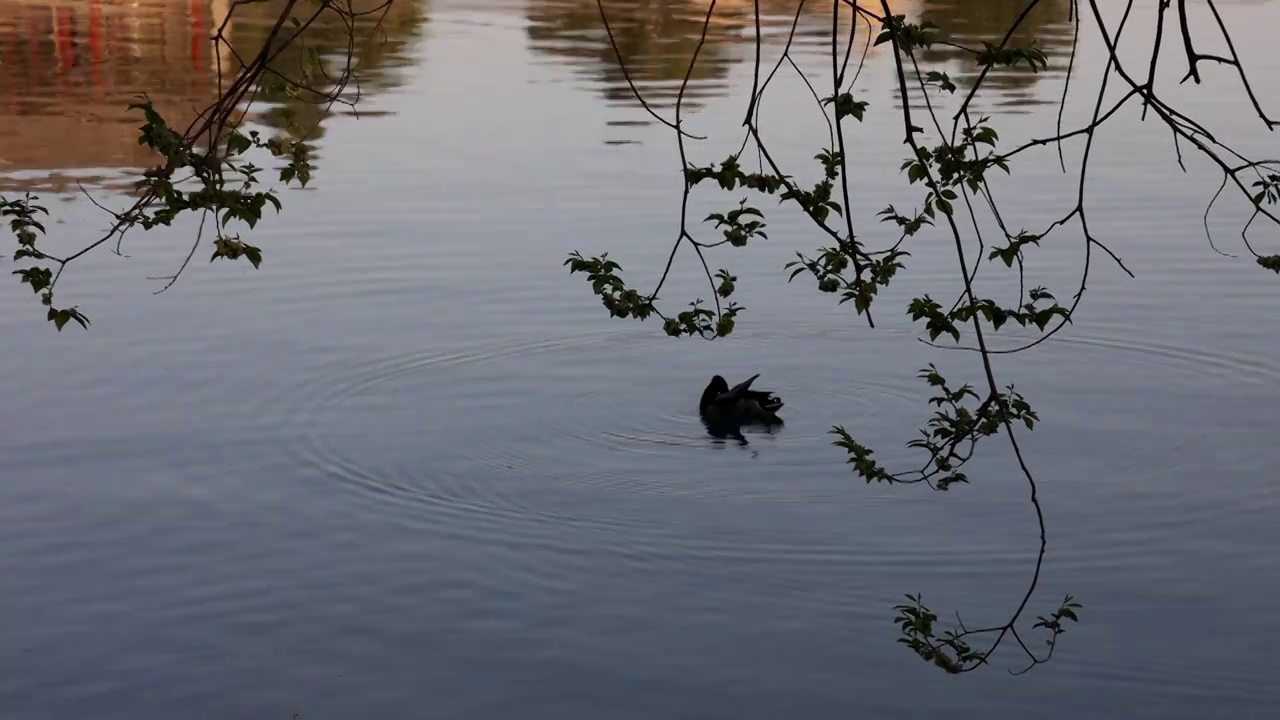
(722, 405)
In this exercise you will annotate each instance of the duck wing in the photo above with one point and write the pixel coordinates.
(739, 390)
(765, 399)
(753, 410)
(768, 401)
(742, 393)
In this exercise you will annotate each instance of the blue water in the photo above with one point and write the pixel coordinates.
(410, 468)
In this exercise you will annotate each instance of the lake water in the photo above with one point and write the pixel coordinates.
(410, 468)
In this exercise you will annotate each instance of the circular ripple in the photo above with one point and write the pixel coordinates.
(616, 464)
(613, 413)
(442, 494)
(677, 429)
(672, 426)
(1191, 376)
(1182, 445)
(539, 483)
(613, 431)
(1199, 358)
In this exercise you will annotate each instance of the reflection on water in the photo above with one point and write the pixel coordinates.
(71, 67)
(971, 23)
(379, 57)
(657, 38)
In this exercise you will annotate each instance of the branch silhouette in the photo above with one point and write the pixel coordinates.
(951, 164)
(204, 168)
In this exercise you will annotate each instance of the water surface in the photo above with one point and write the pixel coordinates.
(409, 468)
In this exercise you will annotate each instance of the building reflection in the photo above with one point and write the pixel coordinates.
(656, 38)
(970, 23)
(71, 67)
(380, 58)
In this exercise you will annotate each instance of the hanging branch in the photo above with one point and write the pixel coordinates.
(953, 171)
(204, 168)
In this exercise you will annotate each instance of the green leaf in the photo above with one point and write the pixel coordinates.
(254, 255)
(237, 143)
(998, 317)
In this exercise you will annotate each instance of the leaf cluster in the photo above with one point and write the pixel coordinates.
(606, 282)
(952, 650)
(829, 266)
(736, 231)
(21, 214)
(955, 164)
(907, 36)
(846, 106)
(948, 438)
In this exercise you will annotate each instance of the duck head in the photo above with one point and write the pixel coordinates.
(717, 386)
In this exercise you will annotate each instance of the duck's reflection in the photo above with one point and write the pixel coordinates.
(721, 432)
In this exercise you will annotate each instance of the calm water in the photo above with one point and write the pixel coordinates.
(410, 469)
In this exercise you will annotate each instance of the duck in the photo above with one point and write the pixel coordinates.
(738, 405)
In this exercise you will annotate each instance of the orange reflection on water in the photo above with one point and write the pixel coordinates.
(71, 67)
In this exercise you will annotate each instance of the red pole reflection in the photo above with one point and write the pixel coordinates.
(97, 53)
(197, 34)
